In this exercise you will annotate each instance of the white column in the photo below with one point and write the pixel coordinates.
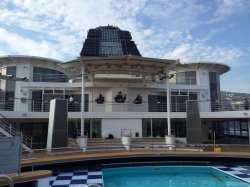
(82, 101)
(168, 104)
(151, 128)
(248, 123)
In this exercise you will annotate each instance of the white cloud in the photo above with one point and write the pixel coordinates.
(2, 53)
(161, 28)
(227, 8)
(198, 51)
(180, 15)
(27, 46)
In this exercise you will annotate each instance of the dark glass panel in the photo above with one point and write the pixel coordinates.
(48, 75)
(146, 127)
(157, 103)
(159, 127)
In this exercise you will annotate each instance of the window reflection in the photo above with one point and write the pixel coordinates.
(48, 75)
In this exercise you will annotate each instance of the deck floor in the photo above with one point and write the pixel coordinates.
(43, 157)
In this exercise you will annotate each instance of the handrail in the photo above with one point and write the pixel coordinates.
(10, 180)
(94, 185)
(5, 125)
(3, 118)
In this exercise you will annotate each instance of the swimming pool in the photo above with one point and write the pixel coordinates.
(169, 176)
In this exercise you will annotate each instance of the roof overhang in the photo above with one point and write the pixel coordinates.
(126, 64)
(210, 66)
(5, 60)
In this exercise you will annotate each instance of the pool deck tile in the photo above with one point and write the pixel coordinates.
(94, 176)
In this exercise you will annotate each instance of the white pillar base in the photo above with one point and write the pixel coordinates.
(126, 141)
(170, 141)
(82, 142)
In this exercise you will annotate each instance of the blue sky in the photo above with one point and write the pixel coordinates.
(189, 30)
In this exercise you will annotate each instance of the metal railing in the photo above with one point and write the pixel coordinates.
(111, 106)
(185, 80)
(115, 146)
(178, 107)
(228, 106)
(8, 178)
(12, 131)
(7, 105)
(40, 77)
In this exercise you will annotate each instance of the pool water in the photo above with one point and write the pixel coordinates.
(169, 176)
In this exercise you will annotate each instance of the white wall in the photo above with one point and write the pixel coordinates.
(203, 79)
(114, 126)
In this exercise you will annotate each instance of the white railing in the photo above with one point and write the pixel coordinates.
(8, 178)
(178, 107)
(7, 105)
(227, 106)
(109, 106)
(12, 131)
(39, 77)
(105, 107)
(186, 80)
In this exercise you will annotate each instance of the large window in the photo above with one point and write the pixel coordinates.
(214, 91)
(188, 77)
(41, 101)
(7, 89)
(157, 103)
(179, 99)
(231, 131)
(158, 127)
(179, 127)
(48, 75)
(154, 127)
(93, 127)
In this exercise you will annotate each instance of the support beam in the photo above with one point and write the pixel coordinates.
(168, 103)
(248, 124)
(82, 101)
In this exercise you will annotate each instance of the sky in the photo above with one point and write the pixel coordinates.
(189, 30)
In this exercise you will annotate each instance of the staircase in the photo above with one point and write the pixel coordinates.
(98, 144)
(7, 130)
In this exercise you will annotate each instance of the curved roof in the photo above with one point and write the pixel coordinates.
(211, 66)
(11, 58)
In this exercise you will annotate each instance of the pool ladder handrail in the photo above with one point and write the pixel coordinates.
(92, 185)
(9, 179)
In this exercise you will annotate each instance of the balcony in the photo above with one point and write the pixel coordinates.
(92, 106)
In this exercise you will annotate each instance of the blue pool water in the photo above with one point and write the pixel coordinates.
(169, 176)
